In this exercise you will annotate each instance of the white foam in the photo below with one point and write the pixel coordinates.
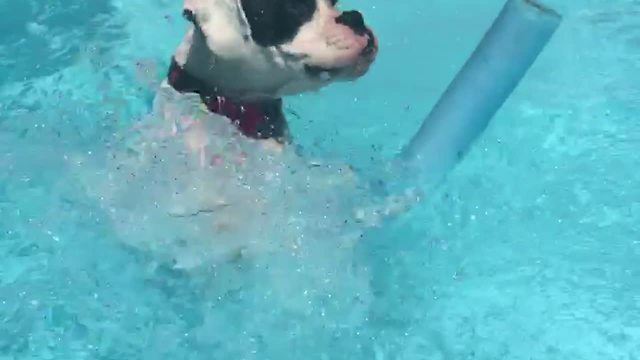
(188, 188)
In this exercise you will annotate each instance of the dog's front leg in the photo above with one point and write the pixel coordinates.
(272, 145)
(196, 141)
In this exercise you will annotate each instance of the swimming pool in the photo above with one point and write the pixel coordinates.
(528, 251)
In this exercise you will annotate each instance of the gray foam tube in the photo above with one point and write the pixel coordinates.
(499, 62)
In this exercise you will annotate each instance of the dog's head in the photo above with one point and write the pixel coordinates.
(273, 48)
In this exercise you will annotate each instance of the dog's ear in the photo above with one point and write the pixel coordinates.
(188, 14)
(189, 11)
(218, 23)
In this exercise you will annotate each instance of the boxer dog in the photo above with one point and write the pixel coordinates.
(242, 56)
(237, 60)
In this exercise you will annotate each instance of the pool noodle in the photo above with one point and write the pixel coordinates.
(499, 62)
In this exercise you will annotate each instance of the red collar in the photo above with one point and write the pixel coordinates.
(255, 120)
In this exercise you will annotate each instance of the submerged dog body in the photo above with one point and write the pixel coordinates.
(243, 56)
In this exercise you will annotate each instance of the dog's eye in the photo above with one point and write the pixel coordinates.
(275, 22)
(334, 2)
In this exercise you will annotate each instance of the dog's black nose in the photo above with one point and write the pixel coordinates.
(354, 20)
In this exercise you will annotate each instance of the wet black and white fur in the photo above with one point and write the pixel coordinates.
(263, 50)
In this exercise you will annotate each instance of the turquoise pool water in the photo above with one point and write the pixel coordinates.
(530, 250)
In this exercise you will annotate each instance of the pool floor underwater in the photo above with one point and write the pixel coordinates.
(529, 250)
